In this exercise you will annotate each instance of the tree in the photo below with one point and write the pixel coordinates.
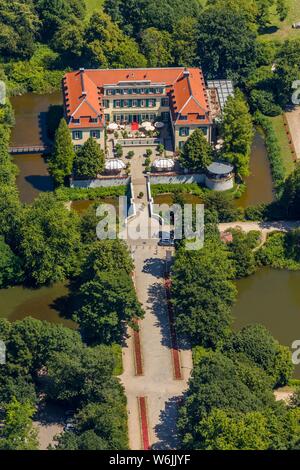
(89, 160)
(49, 241)
(10, 266)
(105, 256)
(107, 46)
(259, 346)
(222, 430)
(290, 200)
(242, 254)
(82, 377)
(237, 129)
(184, 40)
(227, 44)
(203, 293)
(107, 302)
(156, 46)
(287, 71)
(197, 153)
(218, 383)
(19, 29)
(17, 432)
(61, 161)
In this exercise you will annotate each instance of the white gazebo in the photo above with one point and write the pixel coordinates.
(114, 165)
(146, 124)
(159, 125)
(113, 126)
(164, 164)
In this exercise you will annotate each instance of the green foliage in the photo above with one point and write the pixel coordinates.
(106, 295)
(223, 205)
(197, 153)
(263, 101)
(19, 29)
(242, 254)
(81, 194)
(281, 251)
(226, 41)
(237, 130)
(17, 432)
(222, 430)
(230, 405)
(258, 345)
(287, 70)
(290, 200)
(156, 46)
(135, 16)
(61, 161)
(10, 266)
(49, 241)
(107, 302)
(203, 293)
(107, 46)
(189, 188)
(89, 160)
(273, 149)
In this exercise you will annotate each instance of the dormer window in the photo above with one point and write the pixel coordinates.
(75, 121)
(182, 117)
(94, 120)
(201, 116)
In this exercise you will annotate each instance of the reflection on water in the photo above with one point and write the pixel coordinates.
(271, 297)
(33, 176)
(19, 302)
(81, 206)
(259, 185)
(30, 113)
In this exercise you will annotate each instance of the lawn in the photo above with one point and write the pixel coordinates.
(283, 30)
(117, 352)
(93, 5)
(286, 154)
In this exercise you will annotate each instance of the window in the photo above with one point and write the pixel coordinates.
(184, 131)
(201, 116)
(143, 103)
(135, 103)
(165, 101)
(203, 129)
(125, 103)
(107, 117)
(182, 117)
(95, 134)
(77, 147)
(105, 103)
(151, 103)
(117, 103)
(77, 135)
(110, 92)
(94, 120)
(181, 144)
(76, 121)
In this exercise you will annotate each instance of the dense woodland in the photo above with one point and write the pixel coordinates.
(230, 402)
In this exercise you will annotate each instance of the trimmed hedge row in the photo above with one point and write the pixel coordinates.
(191, 188)
(79, 194)
(273, 149)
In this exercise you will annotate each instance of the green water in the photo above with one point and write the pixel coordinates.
(271, 297)
(19, 302)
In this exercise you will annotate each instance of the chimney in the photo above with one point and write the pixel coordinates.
(186, 72)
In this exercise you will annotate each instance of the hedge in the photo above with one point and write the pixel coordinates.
(79, 194)
(191, 188)
(273, 149)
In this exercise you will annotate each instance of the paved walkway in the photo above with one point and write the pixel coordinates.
(157, 383)
(293, 119)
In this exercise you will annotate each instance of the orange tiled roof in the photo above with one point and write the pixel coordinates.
(83, 92)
